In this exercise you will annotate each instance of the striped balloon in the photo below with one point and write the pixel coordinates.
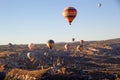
(69, 13)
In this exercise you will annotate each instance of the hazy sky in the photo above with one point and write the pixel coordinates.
(25, 21)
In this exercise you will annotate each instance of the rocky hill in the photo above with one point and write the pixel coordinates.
(98, 60)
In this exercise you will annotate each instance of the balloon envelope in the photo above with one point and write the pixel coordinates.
(82, 41)
(10, 44)
(69, 13)
(67, 46)
(99, 4)
(50, 44)
(73, 39)
(80, 47)
(31, 56)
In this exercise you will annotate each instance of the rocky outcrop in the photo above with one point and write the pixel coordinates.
(21, 74)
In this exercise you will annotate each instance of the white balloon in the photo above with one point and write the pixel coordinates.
(31, 56)
(31, 46)
(67, 46)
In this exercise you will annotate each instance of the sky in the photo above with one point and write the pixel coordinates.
(37, 21)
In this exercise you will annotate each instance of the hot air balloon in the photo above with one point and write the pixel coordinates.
(69, 13)
(50, 44)
(31, 56)
(80, 47)
(10, 46)
(31, 46)
(73, 39)
(82, 41)
(67, 47)
(99, 5)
